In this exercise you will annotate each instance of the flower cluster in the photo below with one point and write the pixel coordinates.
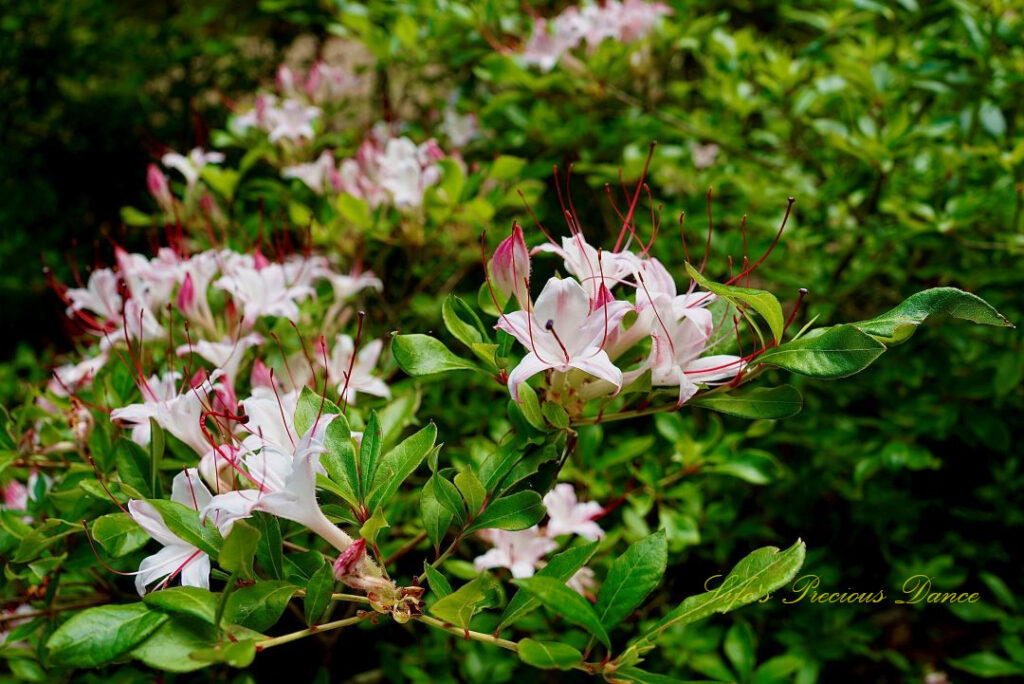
(577, 333)
(386, 170)
(592, 23)
(523, 551)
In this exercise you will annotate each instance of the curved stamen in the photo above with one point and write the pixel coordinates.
(550, 327)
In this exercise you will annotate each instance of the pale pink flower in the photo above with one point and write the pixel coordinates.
(567, 516)
(264, 291)
(179, 414)
(191, 166)
(583, 582)
(292, 120)
(356, 376)
(562, 333)
(510, 267)
(178, 556)
(521, 551)
(71, 377)
(319, 176)
(226, 354)
(704, 155)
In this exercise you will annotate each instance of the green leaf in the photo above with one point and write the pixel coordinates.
(184, 523)
(514, 512)
(308, 407)
(754, 577)
(193, 601)
(354, 210)
(566, 603)
(986, 665)
(437, 518)
(370, 448)
(635, 674)
(771, 403)
(899, 323)
(465, 326)
(530, 407)
(372, 527)
(561, 567)
(438, 583)
(760, 301)
(340, 459)
(832, 353)
(259, 606)
(777, 669)
(459, 607)
(555, 414)
(739, 647)
(548, 655)
(398, 464)
(171, 647)
(472, 490)
(96, 636)
(633, 576)
(133, 467)
(423, 355)
(118, 534)
(239, 549)
(318, 594)
(269, 553)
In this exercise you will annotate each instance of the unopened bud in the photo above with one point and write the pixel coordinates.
(348, 562)
(510, 267)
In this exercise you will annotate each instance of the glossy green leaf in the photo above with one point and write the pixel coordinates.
(118, 534)
(398, 464)
(309, 406)
(459, 607)
(437, 518)
(340, 459)
(833, 353)
(899, 323)
(239, 549)
(184, 523)
(754, 577)
(760, 301)
(423, 355)
(771, 403)
(472, 490)
(566, 603)
(192, 601)
(171, 647)
(370, 448)
(99, 635)
(548, 655)
(259, 606)
(633, 576)
(561, 567)
(514, 512)
(439, 584)
(318, 594)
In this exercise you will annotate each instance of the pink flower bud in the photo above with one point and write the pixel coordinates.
(349, 560)
(285, 80)
(260, 262)
(313, 80)
(261, 376)
(510, 267)
(186, 295)
(158, 186)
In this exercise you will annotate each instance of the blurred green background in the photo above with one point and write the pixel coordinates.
(897, 126)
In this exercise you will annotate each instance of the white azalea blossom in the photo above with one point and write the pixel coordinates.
(178, 557)
(566, 515)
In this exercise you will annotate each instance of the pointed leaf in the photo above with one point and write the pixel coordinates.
(398, 464)
(565, 603)
(561, 567)
(514, 512)
(771, 403)
(96, 636)
(833, 353)
(423, 355)
(897, 324)
(459, 607)
(548, 655)
(340, 459)
(760, 301)
(633, 576)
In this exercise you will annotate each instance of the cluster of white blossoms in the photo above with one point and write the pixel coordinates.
(386, 170)
(523, 551)
(576, 330)
(249, 455)
(591, 23)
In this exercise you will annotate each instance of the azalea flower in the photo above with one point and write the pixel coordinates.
(71, 377)
(285, 486)
(563, 333)
(271, 420)
(179, 414)
(510, 267)
(388, 169)
(319, 176)
(178, 556)
(521, 551)
(292, 120)
(356, 376)
(583, 582)
(226, 354)
(264, 291)
(599, 273)
(190, 166)
(568, 516)
(677, 343)
(460, 129)
(326, 83)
